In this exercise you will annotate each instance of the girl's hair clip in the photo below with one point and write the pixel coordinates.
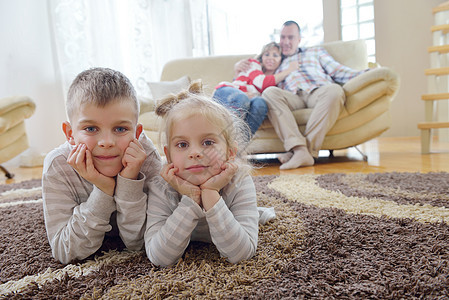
(167, 103)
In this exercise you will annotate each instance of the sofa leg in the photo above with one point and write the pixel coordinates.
(7, 173)
(365, 157)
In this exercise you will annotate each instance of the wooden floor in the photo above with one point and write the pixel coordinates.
(385, 154)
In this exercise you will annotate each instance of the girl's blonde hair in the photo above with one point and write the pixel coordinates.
(192, 102)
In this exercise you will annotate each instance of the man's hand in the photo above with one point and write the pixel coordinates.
(241, 66)
(80, 158)
(133, 159)
(182, 186)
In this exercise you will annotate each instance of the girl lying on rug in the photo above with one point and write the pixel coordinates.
(205, 192)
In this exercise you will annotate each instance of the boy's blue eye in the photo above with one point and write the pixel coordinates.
(121, 129)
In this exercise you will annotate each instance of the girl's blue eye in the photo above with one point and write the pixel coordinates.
(181, 145)
(208, 143)
(90, 129)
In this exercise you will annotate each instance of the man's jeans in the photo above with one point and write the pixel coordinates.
(252, 111)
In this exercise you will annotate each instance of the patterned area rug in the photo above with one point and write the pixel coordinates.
(353, 236)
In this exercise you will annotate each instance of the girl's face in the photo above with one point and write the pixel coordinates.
(271, 59)
(197, 148)
(106, 132)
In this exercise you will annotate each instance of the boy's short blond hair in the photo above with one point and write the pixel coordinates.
(100, 86)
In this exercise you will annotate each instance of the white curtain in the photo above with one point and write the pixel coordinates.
(136, 37)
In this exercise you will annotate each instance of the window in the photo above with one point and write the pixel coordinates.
(243, 27)
(357, 22)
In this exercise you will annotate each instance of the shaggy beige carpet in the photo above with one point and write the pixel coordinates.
(335, 236)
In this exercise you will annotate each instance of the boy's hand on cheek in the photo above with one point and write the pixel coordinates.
(133, 159)
(80, 159)
(182, 186)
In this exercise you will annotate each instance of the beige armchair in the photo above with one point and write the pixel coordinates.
(366, 113)
(13, 137)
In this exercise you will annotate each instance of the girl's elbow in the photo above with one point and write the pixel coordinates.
(248, 255)
(157, 261)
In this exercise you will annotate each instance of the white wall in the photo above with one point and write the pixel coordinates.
(404, 26)
(27, 65)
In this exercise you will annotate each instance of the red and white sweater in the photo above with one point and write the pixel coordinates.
(253, 81)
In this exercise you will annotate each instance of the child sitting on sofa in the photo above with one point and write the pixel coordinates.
(205, 192)
(243, 95)
(96, 183)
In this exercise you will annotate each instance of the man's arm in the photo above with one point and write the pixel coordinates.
(337, 71)
(241, 66)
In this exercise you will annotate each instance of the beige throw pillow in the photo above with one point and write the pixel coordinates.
(162, 88)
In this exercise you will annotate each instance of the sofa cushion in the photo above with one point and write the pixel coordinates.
(210, 69)
(161, 89)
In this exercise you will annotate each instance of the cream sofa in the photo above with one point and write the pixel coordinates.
(366, 113)
(13, 137)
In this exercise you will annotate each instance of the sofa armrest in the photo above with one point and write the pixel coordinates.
(367, 87)
(13, 110)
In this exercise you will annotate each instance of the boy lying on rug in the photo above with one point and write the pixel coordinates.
(205, 192)
(96, 183)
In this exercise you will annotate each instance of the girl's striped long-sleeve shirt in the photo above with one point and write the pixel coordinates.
(173, 220)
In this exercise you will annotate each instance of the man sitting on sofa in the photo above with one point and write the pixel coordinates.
(316, 84)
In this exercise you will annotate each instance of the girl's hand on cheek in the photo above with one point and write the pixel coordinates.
(219, 181)
(80, 158)
(169, 173)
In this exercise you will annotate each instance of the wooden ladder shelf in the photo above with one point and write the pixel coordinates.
(438, 76)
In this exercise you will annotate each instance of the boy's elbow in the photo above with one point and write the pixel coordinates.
(135, 246)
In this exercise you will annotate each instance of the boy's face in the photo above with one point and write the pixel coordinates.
(106, 131)
(197, 148)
